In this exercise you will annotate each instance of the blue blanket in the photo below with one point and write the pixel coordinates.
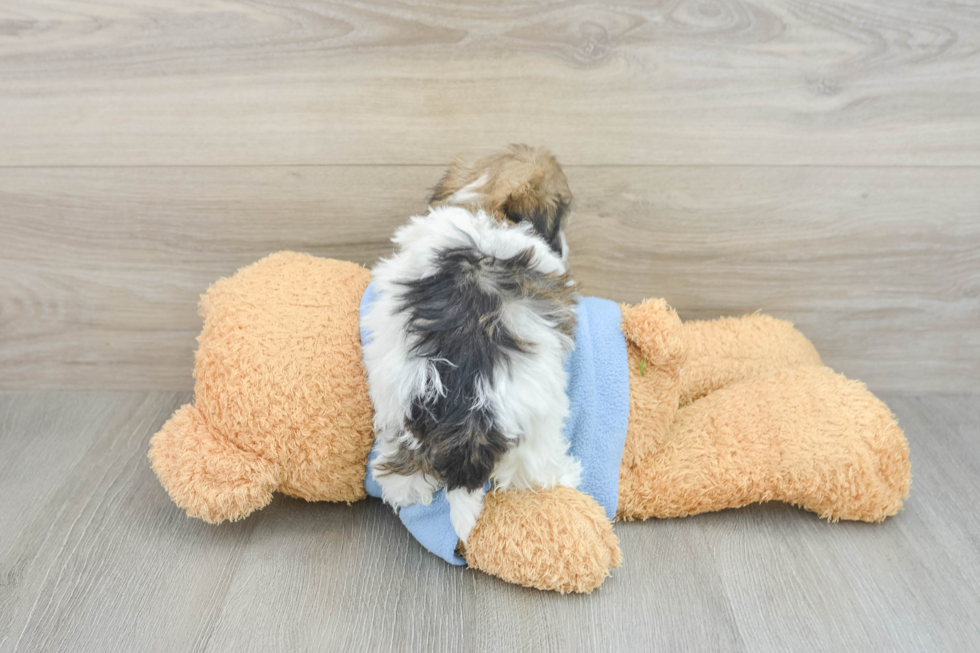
(599, 397)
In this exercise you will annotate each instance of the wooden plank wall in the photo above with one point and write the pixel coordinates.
(817, 161)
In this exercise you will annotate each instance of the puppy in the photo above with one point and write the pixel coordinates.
(474, 315)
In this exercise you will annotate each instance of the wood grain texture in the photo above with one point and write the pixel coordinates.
(219, 82)
(95, 557)
(819, 161)
(880, 267)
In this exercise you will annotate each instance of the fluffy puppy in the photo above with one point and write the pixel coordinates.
(474, 315)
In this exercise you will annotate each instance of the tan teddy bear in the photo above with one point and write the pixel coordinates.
(721, 414)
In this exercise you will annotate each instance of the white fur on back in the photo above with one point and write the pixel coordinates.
(527, 396)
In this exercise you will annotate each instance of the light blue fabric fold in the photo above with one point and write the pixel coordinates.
(599, 398)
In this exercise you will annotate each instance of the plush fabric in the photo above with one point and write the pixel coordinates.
(281, 399)
(558, 539)
(598, 391)
(599, 394)
(723, 413)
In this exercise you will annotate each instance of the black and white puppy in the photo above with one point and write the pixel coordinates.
(474, 316)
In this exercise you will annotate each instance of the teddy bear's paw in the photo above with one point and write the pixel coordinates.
(557, 539)
(206, 475)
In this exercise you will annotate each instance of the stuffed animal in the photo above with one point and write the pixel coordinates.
(721, 414)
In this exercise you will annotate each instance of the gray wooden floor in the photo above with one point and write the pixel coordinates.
(95, 557)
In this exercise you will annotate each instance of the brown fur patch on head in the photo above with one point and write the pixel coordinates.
(521, 184)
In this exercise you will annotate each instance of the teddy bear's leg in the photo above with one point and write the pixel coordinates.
(732, 349)
(558, 539)
(806, 436)
(207, 475)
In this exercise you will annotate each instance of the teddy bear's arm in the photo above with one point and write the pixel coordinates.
(656, 353)
(558, 539)
(805, 435)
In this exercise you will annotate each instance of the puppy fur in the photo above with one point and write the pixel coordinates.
(474, 316)
(521, 184)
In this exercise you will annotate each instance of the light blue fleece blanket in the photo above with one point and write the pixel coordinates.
(599, 397)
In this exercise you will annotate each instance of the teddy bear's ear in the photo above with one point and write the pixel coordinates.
(654, 327)
(207, 475)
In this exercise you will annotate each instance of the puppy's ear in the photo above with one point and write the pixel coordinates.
(545, 214)
(457, 176)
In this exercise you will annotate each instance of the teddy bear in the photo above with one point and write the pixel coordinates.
(721, 414)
